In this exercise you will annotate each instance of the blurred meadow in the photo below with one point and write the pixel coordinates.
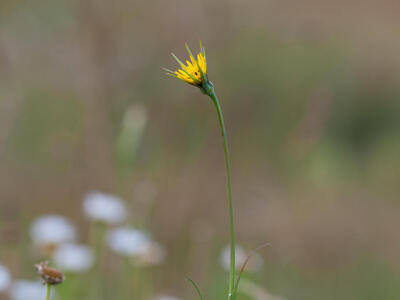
(310, 92)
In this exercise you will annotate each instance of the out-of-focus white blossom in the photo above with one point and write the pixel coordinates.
(74, 257)
(166, 298)
(52, 230)
(129, 241)
(28, 290)
(154, 255)
(5, 278)
(254, 264)
(104, 207)
(225, 257)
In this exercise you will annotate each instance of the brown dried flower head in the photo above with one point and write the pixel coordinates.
(49, 275)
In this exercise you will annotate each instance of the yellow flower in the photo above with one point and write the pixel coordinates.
(195, 70)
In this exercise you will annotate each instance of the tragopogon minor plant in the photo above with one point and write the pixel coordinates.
(195, 73)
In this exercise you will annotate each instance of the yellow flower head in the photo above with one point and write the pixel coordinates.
(195, 70)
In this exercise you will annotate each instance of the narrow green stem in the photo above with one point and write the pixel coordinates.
(48, 287)
(214, 98)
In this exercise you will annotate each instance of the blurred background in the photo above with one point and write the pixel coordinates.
(310, 94)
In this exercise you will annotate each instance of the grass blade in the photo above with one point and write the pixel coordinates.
(244, 267)
(196, 287)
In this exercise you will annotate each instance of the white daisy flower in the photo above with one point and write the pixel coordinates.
(104, 207)
(24, 289)
(254, 264)
(74, 257)
(5, 278)
(128, 241)
(52, 230)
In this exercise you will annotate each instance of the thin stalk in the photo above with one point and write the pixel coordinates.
(214, 98)
(48, 287)
(97, 231)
